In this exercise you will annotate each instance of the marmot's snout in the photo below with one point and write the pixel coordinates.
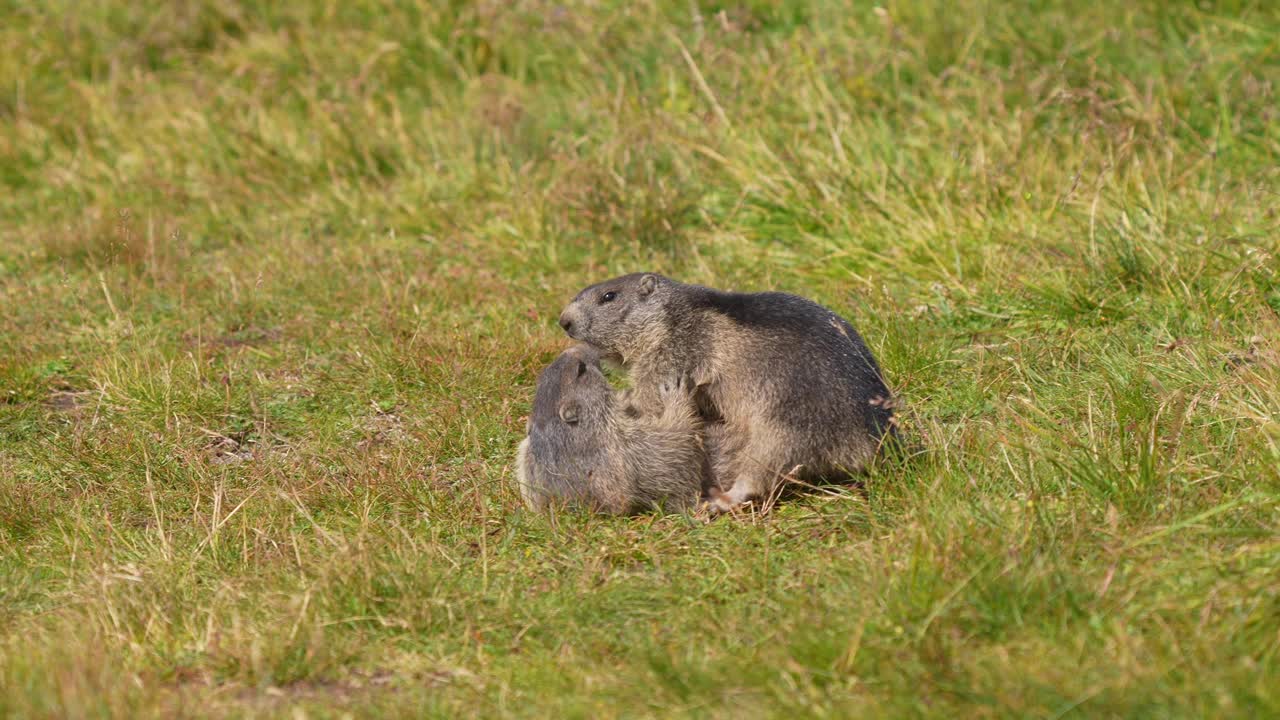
(571, 322)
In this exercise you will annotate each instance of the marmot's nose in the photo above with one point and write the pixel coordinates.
(565, 322)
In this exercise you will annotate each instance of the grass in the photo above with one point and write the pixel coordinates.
(277, 280)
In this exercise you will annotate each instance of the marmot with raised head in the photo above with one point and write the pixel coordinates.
(794, 384)
(589, 445)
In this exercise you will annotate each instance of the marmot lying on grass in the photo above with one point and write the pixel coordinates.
(589, 445)
(796, 388)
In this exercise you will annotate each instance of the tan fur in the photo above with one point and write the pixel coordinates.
(618, 459)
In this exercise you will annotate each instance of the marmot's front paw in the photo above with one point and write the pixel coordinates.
(669, 386)
(675, 385)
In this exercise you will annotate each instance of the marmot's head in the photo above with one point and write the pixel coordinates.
(571, 390)
(568, 430)
(614, 314)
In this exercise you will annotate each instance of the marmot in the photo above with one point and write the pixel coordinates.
(589, 445)
(794, 384)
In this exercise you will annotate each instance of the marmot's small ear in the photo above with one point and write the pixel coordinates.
(569, 412)
(648, 283)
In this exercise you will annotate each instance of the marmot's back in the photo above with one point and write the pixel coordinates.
(808, 362)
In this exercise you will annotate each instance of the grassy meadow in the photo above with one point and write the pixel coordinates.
(276, 280)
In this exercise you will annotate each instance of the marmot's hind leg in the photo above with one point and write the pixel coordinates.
(753, 466)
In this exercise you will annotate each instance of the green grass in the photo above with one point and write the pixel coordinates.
(276, 280)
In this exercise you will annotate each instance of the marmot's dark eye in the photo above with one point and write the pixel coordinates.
(608, 297)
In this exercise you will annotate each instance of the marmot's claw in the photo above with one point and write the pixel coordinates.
(677, 383)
